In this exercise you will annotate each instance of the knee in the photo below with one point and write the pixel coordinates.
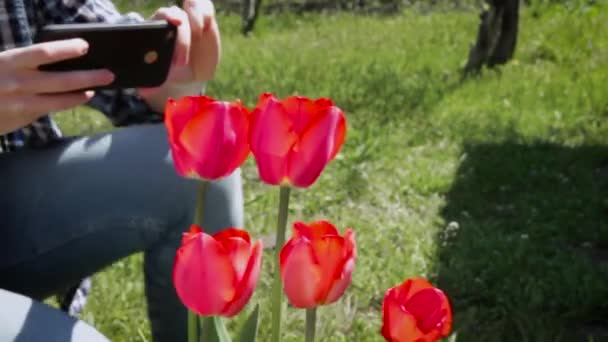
(223, 198)
(224, 204)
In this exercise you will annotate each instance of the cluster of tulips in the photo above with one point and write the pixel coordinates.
(292, 140)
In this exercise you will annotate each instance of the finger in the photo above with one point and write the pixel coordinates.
(210, 24)
(179, 75)
(32, 107)
(57, 102)
(38, 82)
(195, 15)
(43, 53)
(208, 10)
(206, 52)
(201, 14)
(178, 17)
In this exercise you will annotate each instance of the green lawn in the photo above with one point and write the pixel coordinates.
(494, 188)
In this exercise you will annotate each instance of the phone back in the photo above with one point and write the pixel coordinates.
(139, 55)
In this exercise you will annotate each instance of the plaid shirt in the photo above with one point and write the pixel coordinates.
(19, 22)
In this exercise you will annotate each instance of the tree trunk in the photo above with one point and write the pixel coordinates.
(497, 35)
(251, 9)
(505, 47)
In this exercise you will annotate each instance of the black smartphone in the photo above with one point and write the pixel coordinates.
(138, 54)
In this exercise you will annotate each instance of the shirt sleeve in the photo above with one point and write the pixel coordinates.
(123, 106)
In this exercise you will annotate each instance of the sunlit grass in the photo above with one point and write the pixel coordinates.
(490, 187)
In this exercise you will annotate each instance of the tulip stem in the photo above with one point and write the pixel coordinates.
(200, 204)
(193, 328)
(276, 298)
(214, 329)
(311, 320)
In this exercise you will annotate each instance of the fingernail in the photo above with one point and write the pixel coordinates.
(175, 21)
(85, 46)
(108, 76)
(198, 10)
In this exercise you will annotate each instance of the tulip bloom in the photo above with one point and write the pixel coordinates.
(216, 275)
(208, 138)
(294, 139)
(317, 264)
(415, 311)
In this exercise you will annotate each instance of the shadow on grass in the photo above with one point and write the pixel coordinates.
(524, 256)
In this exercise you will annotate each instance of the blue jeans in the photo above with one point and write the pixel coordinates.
(71, 208)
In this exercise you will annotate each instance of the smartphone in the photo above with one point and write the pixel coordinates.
(138, 54)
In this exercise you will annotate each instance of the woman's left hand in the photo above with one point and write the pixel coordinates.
(197, 51)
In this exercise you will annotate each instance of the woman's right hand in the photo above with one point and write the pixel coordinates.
(27, 93)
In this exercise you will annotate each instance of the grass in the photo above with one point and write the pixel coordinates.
(494, 187)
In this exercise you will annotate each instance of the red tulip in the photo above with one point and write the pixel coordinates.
(294, 139)
(216, 275)
(317, 264)
(415, 311)
(208, 138)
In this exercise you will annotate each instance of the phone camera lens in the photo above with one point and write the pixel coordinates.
(151, 57)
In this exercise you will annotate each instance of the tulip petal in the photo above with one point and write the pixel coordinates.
(286, 250)
(428, 304)
(314, 230)
(328, 253)
(410, 287)
(425, 305)
(192, 233)
(271, 139)
(177, 114)
(264, 99)
(232, 233)
(203, 275)
(248, 282)
(324, 102)
(215, 139)
(301, 111)
(340, 285)
(340, 133)
(181, 161)
(300, 274)
(315, 148)
(439, 321)
(446, 307)
(241, 115)
(239, 252)
(349, 243)
(398, 324)
(344, 279)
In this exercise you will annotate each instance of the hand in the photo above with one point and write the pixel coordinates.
(27, 93)
(197, 52)
(205, 46)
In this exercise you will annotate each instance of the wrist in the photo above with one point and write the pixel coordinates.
(158, 98)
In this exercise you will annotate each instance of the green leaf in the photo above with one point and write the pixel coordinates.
(249, 331)
(214, 330)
